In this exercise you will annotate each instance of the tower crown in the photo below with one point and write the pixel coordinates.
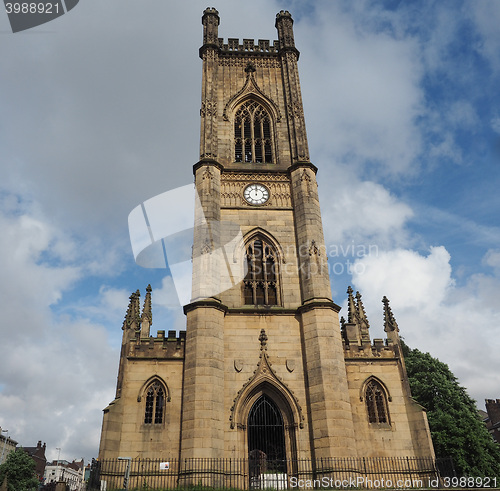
(284, 25)
(210, 21)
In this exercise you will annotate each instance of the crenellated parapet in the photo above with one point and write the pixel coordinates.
(248, 46)
(137, 341)
(171, 346)
(378, 349)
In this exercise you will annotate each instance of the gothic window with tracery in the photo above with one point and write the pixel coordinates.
(261, 280)
(155, 402)
(376, 403)
(253, 139)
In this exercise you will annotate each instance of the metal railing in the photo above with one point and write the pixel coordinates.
(328, 473)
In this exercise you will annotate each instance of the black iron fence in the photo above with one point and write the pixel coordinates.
(331, 473)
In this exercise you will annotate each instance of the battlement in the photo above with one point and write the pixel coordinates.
(283, 13)
(233, 45)
(378, 349)
(211, 10)
(159, 347)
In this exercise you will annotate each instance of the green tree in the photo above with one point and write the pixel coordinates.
(19, 468)
(456, 428)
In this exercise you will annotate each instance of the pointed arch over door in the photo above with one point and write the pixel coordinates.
(266, 430)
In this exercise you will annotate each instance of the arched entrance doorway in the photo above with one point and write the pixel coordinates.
(266, 438)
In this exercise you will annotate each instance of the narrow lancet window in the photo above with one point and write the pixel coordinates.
(252, 134)
(261, 280)
(376, 403)
(155, 402)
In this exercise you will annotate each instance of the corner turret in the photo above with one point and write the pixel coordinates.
(284, 25)
(210, 21)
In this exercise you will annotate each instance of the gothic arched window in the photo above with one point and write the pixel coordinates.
(155, 402)
(261, 280)
(376, 403)
(253, 139)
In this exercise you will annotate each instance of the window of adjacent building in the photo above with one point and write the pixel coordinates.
(253, 141)
(155, 401)
(261, 280)
(376, 403)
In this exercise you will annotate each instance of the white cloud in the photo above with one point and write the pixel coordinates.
(364, 212)
(50, 362)
(409, 279)
(492, 259)
(486, 15)
(363, 107)
(495, 125)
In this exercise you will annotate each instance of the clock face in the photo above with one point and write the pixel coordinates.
(256, 194)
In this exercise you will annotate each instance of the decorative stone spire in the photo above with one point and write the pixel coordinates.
(363, 323)
(147, 314)
(390, 324)
(131, 327)
(343, 331)
(360, 309)
(136, 314)
(133, 316)
(351, 306)
(356, 328)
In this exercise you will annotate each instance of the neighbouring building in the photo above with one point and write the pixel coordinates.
(71, 473)
(492, 418)
(7, 445)
(265, 368)
(38, 455)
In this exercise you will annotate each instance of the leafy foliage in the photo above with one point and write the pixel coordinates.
(456, 428)
(19, 468)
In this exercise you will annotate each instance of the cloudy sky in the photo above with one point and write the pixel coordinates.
(99, 111)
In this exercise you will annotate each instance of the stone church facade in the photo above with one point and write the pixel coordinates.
(265, 368)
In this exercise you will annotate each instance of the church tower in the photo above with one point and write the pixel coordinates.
(265, 370)
(255, 174)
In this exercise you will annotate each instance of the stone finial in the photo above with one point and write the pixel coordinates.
(390, 323)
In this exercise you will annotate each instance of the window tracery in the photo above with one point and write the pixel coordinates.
(253, 138)
(376, 403)
(155, 402)
(261, 280)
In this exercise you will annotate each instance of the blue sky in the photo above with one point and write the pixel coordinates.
(100, 112)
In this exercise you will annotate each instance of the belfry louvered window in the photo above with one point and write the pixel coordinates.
(253, 139)
(155, 402)
(376, 403)
(261, 280)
